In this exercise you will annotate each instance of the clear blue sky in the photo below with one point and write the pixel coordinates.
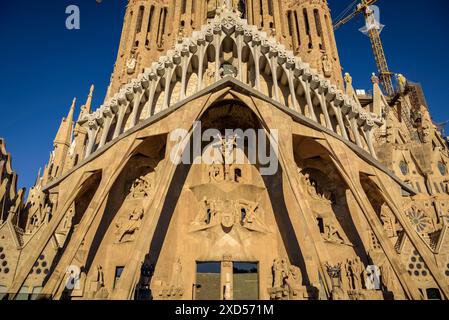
(44, 65)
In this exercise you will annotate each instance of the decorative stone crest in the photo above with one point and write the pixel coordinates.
(229, 214)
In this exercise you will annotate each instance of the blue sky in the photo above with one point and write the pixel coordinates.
(44, 65)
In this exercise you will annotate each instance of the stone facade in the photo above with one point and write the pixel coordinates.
(358, 207)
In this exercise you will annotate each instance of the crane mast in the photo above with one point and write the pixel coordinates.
(385, 76)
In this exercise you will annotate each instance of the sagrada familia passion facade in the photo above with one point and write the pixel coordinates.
(341, 195)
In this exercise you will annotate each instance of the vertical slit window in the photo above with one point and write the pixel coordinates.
(127, 31)
(242, 8)
(298, 33)
(270, 7)
(164, 22)
(329, 34)
(159, 27)
(140, 19)
(289, 21)
(307, 26)
(306, 21)
(319, 28)
(183, 6)
(150, 19)
(317, 22)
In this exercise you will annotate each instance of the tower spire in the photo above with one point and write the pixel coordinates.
(88, 104)
(62, 143)
(72, 111)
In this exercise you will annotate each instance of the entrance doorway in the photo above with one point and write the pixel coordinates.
(246, 281)
(208, 281)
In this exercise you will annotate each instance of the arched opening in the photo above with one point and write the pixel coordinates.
(126, 206)
(175, 86)
(193, 197)
(73, 218)
(390, 223)
(192, 76)
(266, 80)
(329, 199)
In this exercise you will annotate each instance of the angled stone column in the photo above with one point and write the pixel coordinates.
(319, 87)
(169, 67)
(185, 55)
(108, 115)
(139, 92)
(305, 81)
(239, 36)
(92, 130)
(367, 128)
(153, 80)
(200, 54)
(351, 114)
(256, 50)
(217, 45)
(336, 100)
(290, 69)
(122, 108)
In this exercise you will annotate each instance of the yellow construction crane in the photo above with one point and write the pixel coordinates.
(373, 31)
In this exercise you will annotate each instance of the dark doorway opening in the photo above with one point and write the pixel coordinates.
(208, 280)
(246, 281)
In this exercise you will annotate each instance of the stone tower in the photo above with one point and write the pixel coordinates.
(311, 36)
(152, 27)
(228, 158)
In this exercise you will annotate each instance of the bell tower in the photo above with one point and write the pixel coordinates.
(311, 36)
(145, 35)
(151, 27)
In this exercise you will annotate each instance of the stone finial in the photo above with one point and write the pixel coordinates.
(348, 79)
(73, 103)
(402, 82)
(374, 78)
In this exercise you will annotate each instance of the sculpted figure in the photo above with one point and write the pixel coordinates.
(349, 273)
(141, 187)
(387, 276)
(332, 234)
(278, 274)
(177, 274)
(131, 64)
(130, 226)
(402, 81)
(294, 281)
(327, 66)
(348, 79)
(100, 276)
(357, 271)
(388, 220)
(215, 173)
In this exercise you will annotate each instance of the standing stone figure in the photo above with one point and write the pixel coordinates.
(357, 271)
(100, 276)
(278, 274)
(349, 274)
(387, 277)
